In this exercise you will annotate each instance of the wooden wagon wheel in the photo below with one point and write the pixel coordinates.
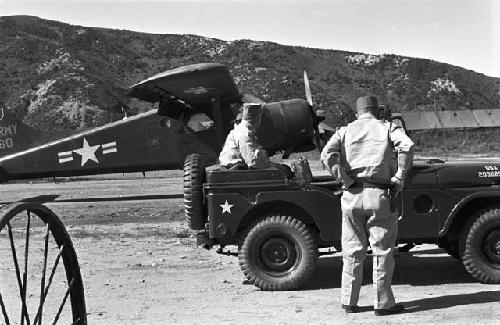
(34, 285)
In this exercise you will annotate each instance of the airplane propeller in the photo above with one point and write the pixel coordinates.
(308, 89)
(315, 118)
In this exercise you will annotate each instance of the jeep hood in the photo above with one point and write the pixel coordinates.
(471, 172)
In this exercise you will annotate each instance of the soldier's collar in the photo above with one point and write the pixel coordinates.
(366, 115)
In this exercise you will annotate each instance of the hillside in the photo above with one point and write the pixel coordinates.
(57, 76)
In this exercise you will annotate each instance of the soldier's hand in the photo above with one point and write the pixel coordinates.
(398, 183)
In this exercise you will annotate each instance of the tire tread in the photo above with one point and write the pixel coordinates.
(194, 174)
(310, 258)
(473, 263)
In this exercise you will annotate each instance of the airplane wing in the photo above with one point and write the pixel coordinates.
(196, 84)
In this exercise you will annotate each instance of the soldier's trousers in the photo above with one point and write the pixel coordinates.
(367, 217)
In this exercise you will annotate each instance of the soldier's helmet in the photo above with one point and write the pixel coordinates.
(366, 103)
(252, 113)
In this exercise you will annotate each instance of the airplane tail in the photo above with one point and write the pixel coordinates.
(16, 136)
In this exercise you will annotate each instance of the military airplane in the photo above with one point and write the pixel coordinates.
(197, 106)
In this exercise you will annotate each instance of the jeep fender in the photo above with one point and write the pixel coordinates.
(463, 203)
(322, 206)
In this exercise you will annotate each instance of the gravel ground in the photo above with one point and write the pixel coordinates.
(140, 265)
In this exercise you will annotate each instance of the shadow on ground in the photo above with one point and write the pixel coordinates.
(448, 301)
(420, 268)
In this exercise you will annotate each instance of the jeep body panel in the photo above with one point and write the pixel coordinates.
(224, 179)
(322, 206)
(226, 211)
(230, 195)
(419, 215)
(416, 204)
(434, 194)
(436, 191)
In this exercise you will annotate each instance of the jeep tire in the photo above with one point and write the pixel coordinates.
(480, 246)
(194, 176)
(278, 253)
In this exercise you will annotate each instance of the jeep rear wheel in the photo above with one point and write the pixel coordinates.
(480, 247)
(279, 253)
(194, 175)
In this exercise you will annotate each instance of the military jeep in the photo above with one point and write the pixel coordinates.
(279, 223)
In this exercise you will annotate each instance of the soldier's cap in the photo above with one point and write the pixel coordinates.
(251, 113)
(366, 103)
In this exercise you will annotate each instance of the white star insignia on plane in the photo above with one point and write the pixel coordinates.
(226, 207)
(87, 152)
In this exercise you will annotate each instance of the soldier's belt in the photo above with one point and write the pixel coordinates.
(371, 185)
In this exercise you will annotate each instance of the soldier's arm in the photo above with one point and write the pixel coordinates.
(330, 157)
(226, 155)
(404, 147)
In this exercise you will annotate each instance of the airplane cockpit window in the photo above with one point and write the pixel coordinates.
(199, 122)
(171, 107)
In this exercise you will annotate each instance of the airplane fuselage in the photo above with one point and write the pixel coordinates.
(140, 143)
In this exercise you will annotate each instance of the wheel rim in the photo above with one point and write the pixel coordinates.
(278, 255)
(40, 275)
(491, 246)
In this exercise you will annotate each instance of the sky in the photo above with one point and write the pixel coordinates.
(465, 33)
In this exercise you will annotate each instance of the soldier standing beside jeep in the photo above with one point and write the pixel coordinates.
(360, 155)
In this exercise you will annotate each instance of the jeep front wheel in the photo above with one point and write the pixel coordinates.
(279, 253)
(480, 247)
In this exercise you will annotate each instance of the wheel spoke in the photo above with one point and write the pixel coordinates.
(25, 274)
(46, 290)
(4, 311)
(44, 269)
(18, 272)
(76, 322)
(64, 301)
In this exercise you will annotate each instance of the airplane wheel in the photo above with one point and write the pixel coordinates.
(194, 176)
(34, 241)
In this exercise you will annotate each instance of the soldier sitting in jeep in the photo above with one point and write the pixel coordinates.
(242, 149)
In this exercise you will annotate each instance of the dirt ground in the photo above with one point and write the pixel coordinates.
(140, 265)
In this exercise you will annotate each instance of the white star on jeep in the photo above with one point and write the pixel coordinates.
(226, 207)
(87, 152)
